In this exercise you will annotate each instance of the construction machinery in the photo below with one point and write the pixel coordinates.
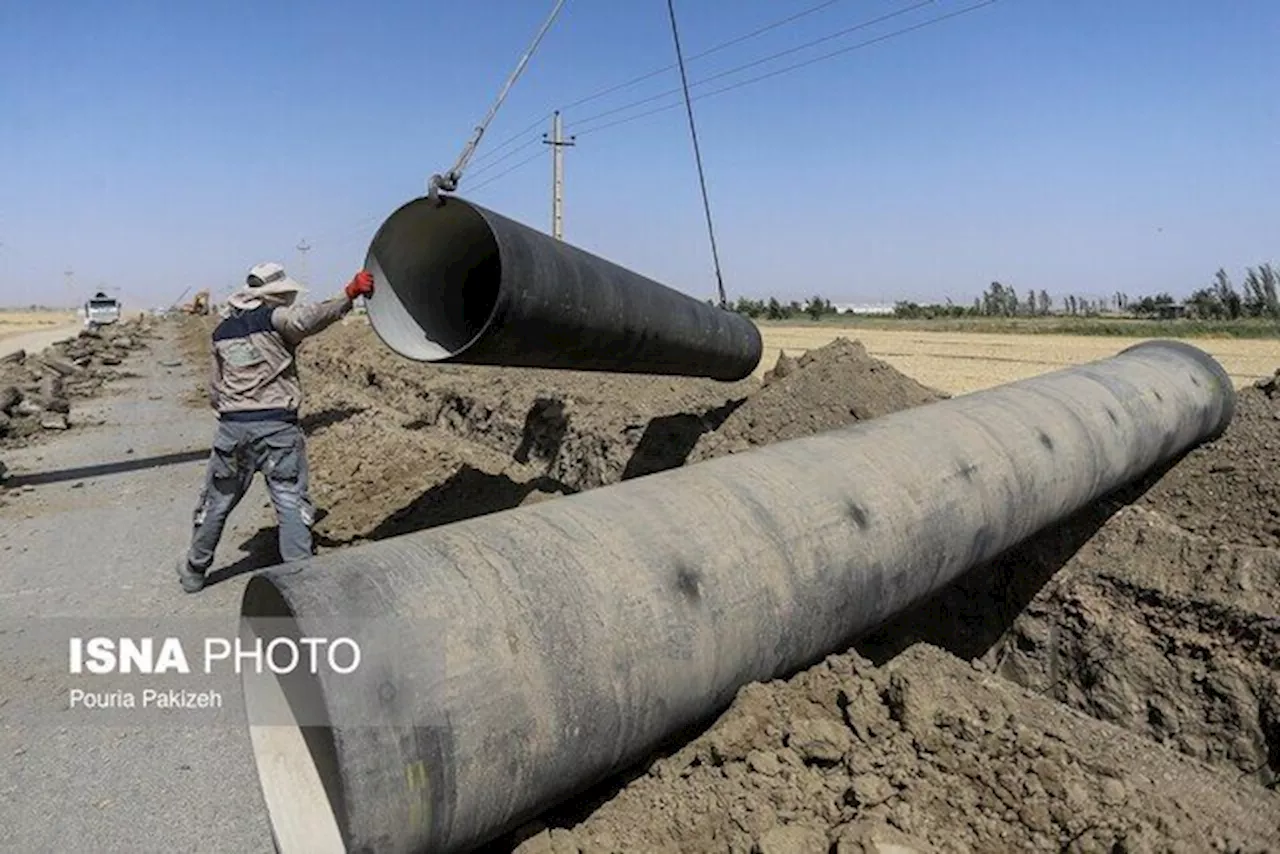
(199, 304)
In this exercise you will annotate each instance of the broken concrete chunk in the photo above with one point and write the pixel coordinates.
(60, 365)
(15, 358)
(54, 421)
(9, 398)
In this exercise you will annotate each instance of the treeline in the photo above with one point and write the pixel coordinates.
(1258, 297)
(815, 307)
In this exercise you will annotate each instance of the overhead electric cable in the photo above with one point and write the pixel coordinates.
(770, 58)
(779, 71)
(759, 31)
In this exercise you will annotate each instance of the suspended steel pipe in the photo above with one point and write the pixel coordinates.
(460, 283)
(532, 652)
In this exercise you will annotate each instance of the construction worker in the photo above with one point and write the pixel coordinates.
(254, 388)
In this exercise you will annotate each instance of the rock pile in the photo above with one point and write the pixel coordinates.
(36, 389)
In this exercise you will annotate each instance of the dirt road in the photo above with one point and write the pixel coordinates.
(91, 538)
(36, 339)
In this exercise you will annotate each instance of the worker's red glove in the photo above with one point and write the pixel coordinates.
(360, 286)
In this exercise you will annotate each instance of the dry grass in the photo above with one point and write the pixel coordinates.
(14, 322)
(960, 362)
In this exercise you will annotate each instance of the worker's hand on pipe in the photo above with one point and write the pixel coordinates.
(360, 286)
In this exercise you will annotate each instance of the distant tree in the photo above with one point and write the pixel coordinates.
(1232, 304)
(1044, 305)
(1205, 304)
(749, 307)
(1150, 305)
(775, 310)
(1260, 292)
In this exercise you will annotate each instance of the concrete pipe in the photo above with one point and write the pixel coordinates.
(459, 283)
(535, 651)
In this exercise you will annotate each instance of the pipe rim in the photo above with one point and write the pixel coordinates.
(302, 792)
(1210, 364)
(404, 330)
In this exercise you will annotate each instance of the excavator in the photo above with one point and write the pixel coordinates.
(199, 304)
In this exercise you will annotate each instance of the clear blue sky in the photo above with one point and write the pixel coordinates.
(1082, 146)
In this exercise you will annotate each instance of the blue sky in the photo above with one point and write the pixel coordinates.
(1083, 146)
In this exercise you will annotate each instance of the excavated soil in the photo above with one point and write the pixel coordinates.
(1112, 684)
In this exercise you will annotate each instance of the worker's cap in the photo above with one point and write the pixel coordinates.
(270, 279)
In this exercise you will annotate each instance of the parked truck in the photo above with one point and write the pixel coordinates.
(101, 310)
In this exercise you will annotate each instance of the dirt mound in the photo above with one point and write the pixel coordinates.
(581, 429)
(927, 753)
(826, 388)
(36, 389)
(1230, 490)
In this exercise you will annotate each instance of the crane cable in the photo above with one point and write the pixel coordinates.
(697, 154)
(449, 180)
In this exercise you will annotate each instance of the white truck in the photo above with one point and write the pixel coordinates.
(101, 310)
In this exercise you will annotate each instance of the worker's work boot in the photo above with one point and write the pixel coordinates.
(191, 579)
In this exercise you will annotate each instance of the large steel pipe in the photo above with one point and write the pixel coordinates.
(460, 283)
(579, 633)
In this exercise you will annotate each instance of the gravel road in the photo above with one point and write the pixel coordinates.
(90, 528)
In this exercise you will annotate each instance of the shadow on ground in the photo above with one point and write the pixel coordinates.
(260, 551)
(667, 441)
(468, 493)
(102, 469)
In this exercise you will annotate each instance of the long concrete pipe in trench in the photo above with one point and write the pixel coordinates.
(512, 660)
(458, 283)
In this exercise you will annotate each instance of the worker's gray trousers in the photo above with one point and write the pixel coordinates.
(240, 450)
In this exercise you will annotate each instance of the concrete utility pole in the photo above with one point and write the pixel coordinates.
(71, 290)
(303, 247)
(558, 144)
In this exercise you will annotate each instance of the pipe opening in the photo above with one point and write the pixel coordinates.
(437, 273)
(296, 760)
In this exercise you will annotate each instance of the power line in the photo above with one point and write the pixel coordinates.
(505, 172)
(776, 72)
(730, 43)
(541, 120)
(846, 31)
(697, 153)
(740, 84)
(480, 170)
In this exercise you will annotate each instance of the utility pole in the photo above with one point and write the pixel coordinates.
(558, 144)
(71, 291)
(304, 247)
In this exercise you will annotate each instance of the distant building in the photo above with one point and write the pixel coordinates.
(1169, 311)
(862, 308)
